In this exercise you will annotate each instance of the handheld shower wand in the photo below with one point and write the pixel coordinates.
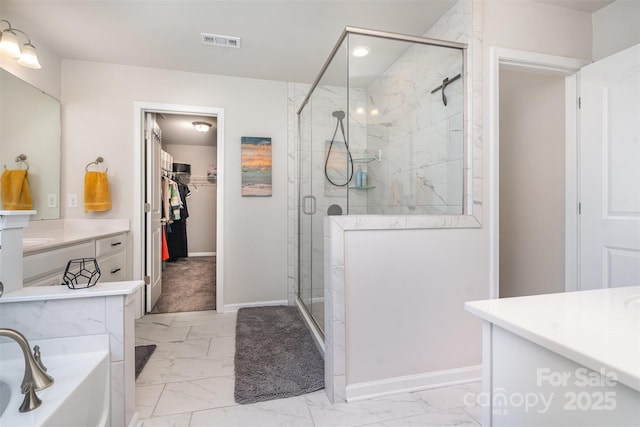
(339, 115)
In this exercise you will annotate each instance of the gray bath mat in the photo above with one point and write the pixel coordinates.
(143, 353)
(276, 356)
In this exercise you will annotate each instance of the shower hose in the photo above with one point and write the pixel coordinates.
(339, 115)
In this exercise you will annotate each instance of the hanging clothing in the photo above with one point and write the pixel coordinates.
(175, 201)
(177, 230)
(165, 248)
(164, 196)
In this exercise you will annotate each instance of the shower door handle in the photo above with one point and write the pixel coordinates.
(312, 199)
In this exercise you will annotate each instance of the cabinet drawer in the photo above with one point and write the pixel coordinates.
(113, 268)
(45, 262)
(110, 245)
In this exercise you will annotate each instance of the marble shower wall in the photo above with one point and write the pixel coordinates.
(421, 139)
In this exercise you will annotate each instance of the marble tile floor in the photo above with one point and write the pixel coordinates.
(188, 382)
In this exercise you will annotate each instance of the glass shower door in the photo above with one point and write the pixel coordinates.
(323, 177)
(306, 210)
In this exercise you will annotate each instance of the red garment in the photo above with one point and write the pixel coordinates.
(165, 248)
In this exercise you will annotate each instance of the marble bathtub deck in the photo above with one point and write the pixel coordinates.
(188, 382)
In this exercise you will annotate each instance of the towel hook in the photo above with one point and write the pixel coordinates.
(96, 162)
(22, 158)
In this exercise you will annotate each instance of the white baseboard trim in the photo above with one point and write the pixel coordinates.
(409, 383)
(232, 308)
(314, 331)
(197, 254)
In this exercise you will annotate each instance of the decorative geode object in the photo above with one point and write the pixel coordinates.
(81, 273)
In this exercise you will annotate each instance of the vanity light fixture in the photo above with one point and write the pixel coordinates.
(201, 126)
(360, 51)
(10, 46)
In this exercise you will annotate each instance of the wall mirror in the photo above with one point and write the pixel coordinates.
(30, 125)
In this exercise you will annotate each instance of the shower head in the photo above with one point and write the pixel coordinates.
(338, 114)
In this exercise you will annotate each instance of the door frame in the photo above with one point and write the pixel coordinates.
(531, 61)
(137, 226)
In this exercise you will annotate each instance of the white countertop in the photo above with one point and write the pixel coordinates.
(39, 293)
(44, 235)
(597, 329)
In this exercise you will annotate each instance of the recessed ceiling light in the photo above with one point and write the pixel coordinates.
(360, 51)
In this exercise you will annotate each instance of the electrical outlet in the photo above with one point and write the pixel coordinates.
(52, 200)
(72, 200)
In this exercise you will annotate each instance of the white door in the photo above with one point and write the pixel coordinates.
(610, 171)
(153, 225)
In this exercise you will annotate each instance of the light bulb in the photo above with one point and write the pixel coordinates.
(9, 44)
(29, 58)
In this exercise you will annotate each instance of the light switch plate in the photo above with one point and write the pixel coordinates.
(52, 200)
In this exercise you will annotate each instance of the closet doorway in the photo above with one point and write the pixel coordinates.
(182, 206)
(533, 172)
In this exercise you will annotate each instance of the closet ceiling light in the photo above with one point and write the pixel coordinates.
(201, 126)
(10, 46)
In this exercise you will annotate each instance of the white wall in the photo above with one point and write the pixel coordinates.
(537, 27)
(616, 27)
(405, 292)
(201, 224)
(532, 194)
(98, 106)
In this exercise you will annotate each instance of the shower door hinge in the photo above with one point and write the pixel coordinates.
(147, 207)
(147, 280)
(579, 208)
(579, 103)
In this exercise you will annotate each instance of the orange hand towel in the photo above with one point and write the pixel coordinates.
(15, 190)
(96, 192)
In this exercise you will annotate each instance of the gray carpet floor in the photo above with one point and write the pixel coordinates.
(188, 284)
(276, 356)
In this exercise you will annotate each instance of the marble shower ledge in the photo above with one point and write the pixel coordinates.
(402, 222)
(44, 235)
(40, 293)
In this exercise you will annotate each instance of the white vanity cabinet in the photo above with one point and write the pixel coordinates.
(45, 266)
(566, 359)
(111, 254)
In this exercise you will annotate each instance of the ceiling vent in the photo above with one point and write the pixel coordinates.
(217, 40)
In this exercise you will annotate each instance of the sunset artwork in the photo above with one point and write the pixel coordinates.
(256, 166)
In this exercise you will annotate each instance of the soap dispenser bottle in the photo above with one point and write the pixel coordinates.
(359, 177)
